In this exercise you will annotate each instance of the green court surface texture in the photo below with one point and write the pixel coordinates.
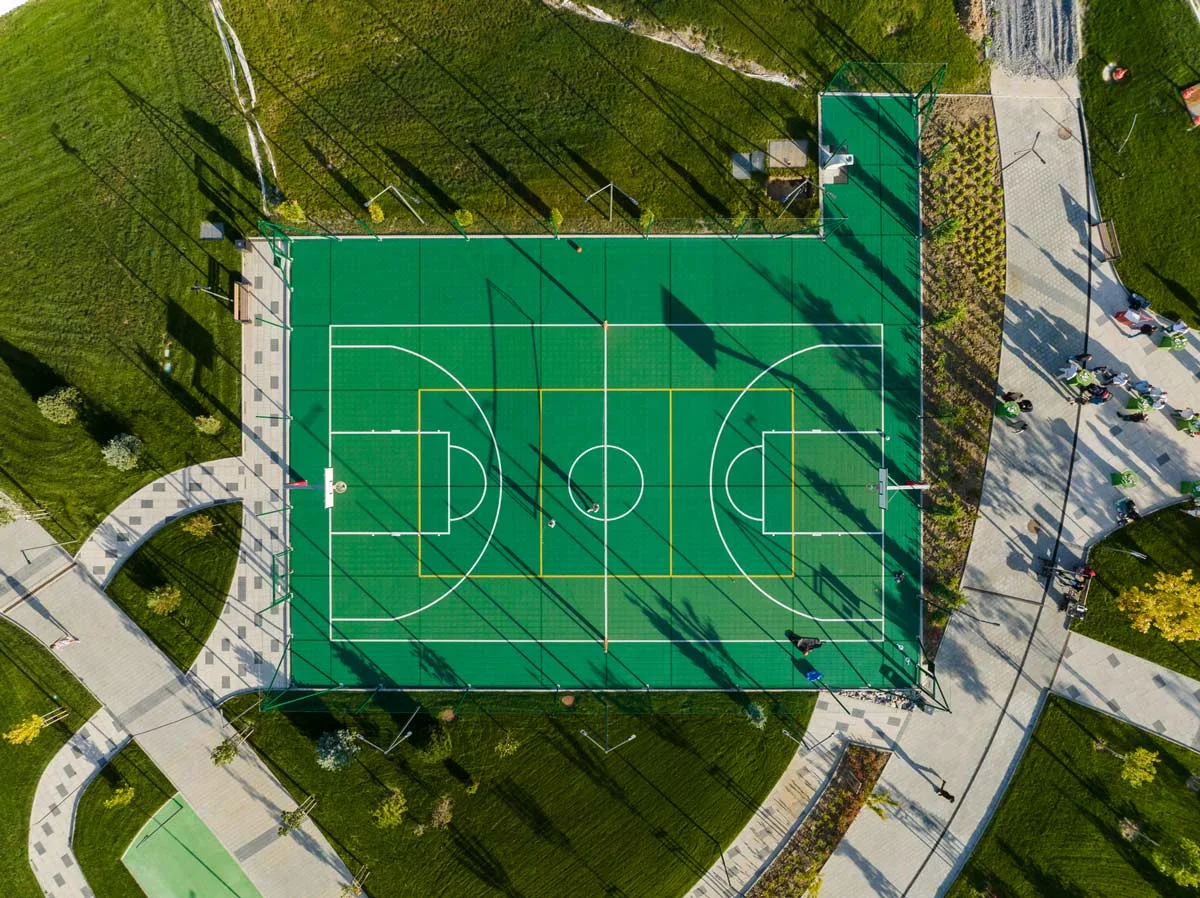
(614, 463)
(176, 856)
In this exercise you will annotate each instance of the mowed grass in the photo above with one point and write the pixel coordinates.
(102, 834)
(511, 108)
(1170, 539)
(557, 818)
(201, 568)
(1055, 834)
(115, 142)
(1148, 188)
(30, 678)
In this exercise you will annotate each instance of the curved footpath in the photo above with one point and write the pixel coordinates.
(1046, 492)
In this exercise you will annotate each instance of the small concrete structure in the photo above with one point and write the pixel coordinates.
(787, 153)
(744, 165)
(212, 230)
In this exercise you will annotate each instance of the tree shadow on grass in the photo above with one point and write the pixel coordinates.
(33, 375)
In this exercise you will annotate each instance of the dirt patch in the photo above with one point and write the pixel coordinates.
(798, 865)
(963, 287)
(973, 18)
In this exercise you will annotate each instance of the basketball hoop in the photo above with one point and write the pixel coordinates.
(339, 487)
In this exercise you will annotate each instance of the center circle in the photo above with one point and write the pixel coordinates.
(605, 476)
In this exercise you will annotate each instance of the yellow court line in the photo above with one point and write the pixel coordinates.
(601, 576)
(541, 528)
(793, 478)
(601, 389)
(671, 482)
(421, 539)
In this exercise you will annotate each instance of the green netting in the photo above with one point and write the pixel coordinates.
(907, 78)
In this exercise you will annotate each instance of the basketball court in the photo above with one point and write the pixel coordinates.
(614, 462)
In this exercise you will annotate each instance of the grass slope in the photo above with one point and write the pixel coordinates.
(1148, 189)
(512, 108)
(201, 568)
(115, 143)
(558, 818)
(1171, 539)
(1055, 833)
(102, 834)
(30, 677)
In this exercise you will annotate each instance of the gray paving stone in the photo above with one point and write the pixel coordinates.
(1114, 660)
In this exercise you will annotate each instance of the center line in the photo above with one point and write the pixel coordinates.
(604, 476)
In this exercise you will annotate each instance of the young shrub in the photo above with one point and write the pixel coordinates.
(290, 213)
(209, 425)
(376, 211)
(472, 787)
(389, 813)
(507, 746)
(225, 753)
(1139, 767)
(464, 218)
(757, 715)
(443, 812)
(556, 220)
(290, 820)
(164, 600)
(62, 406)
(336, 750)
(121, 796)
(122, 452)
(438, 749)
(199, 525)
(25, 731)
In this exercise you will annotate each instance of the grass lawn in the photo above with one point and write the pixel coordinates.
(1171, 539)
(557, 818)
(102, 834)
(1146, 189)
(201, 568)
(115, 142)
(1055, 834)
(30, 677)
(511, 108)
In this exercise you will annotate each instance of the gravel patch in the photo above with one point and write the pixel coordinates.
(1036, 37)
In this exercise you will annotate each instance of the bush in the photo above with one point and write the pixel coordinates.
(25, 731)
(376, 211)
(121, 796)
(290, 212)
(336, 750)
(438, 749)
(198, 525)
(164, 600)
(224, 753)
(390, 812)
(507, 746)
(443, 812)
(122, 452)
(62, 406)
(757, 715)
(472, 787)
(464, 218)
(209, 425)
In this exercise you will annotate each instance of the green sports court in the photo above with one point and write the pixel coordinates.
(615, 462)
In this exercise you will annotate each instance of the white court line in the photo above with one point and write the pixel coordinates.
(604, 440)
(712, 499)
(822, 533)
(730, 497)
(807, 432)
(499, 474)
(391, 533)
(883, 511)
(708, 324)
(593, 641)
(385, 433)
(482, 471)
(329, 464)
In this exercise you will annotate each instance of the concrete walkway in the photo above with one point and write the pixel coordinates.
(173, 719)
(830, 729)
(997, 674)
(1131, 689)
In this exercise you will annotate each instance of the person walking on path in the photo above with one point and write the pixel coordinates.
(941, 792)
(1185, 414)
(1069, 370)
(1113, 378)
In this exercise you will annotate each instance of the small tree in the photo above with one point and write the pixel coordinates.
(122, 451)
(646, 221)
(25, 731)
(209, 425)
(389, 813)
(199, 525)
(439, 747)
(472, 787)
(225, 753)
(1180, 861)
(336, 750)
(165, 599)
(443, 812)
(62, 406)
(1171, 605)
(508, 745)
(757, 715)
(290, 212)
(1139, 767)
(738, 221)
(881, 803)
(290, 820)
(7, 515)
(556, 220)
(463, 219)
(376, 211)
(121, 796)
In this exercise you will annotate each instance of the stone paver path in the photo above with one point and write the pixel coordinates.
(1130, 688)
(830, 729)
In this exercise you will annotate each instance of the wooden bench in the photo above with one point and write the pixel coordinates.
(241, 301)
(1104, 235)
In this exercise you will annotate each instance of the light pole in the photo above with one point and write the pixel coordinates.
(1140, 556)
